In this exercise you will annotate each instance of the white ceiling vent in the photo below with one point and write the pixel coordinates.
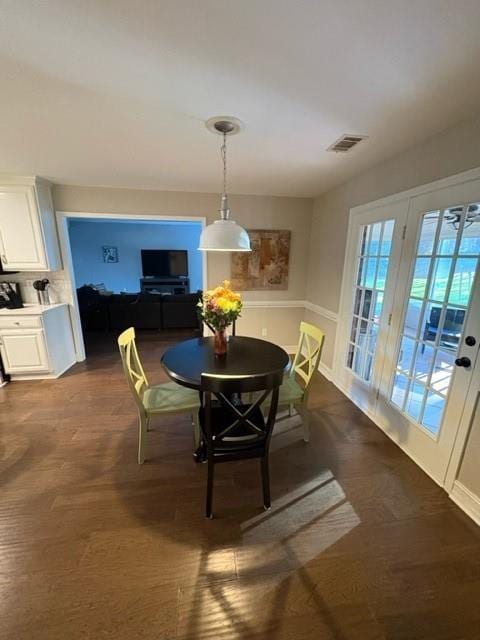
(345, 143)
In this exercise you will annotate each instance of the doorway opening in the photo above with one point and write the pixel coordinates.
(144, 272)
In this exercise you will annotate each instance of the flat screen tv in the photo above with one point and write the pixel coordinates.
(164, 263)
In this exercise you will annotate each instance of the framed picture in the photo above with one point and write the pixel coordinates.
(266, 266)
(110, 254)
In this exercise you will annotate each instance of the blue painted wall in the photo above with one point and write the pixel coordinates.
(87, 238)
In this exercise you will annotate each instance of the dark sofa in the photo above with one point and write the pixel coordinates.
(117, 312)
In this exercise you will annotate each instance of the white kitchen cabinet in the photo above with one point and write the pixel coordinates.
(36, 341)
(24, 351)
(28, 235)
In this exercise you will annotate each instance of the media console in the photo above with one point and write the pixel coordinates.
(174, 286)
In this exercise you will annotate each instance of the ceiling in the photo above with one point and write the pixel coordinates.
(115, 92)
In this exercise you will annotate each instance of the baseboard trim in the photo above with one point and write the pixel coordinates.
(325, 371)
(466, 500)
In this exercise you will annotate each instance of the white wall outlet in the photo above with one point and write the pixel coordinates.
(264, 332)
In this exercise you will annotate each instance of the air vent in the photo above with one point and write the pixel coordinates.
(345, 143)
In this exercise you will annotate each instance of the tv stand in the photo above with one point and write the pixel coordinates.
(173, 286)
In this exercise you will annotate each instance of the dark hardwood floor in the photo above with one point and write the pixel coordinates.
(359, 542)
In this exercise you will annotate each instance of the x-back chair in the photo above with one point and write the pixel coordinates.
(160, 399)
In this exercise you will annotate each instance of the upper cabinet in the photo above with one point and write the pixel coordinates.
(28, 234)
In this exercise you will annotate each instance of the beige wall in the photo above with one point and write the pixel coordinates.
(469, 474)
(281, 324)
(252, 212)
(447, 153)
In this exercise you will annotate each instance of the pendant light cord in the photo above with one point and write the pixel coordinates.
(223, 152)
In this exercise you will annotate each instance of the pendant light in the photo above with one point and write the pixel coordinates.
(224, 234)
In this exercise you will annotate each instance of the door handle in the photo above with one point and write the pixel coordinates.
(470, 341)
(463, 362)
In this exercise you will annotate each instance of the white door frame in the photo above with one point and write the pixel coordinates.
(63, 217)
(349, 264)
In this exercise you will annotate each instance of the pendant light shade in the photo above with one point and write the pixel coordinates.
(224, 234)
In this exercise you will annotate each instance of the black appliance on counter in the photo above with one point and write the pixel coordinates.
(10, 296)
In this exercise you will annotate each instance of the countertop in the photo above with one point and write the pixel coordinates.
(31, 309)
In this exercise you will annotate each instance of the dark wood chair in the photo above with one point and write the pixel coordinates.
(233, 430)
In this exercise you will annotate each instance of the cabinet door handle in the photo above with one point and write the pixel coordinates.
(4, 258)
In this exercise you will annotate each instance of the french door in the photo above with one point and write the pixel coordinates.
(373, 252)
(415, 382)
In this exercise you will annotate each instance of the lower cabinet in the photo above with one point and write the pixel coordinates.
(24, 351)
(36, 342)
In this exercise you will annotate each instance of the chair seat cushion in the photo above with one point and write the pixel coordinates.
(290, 391)
(170, 397)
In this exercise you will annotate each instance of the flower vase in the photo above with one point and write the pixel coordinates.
(220, 342)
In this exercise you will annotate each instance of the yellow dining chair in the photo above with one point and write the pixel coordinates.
(167, 398)
(294, 394)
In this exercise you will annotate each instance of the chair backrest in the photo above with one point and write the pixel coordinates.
(308, 353)
(132, 365)
(242, 425)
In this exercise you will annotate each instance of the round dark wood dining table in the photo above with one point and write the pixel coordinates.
(185, 361)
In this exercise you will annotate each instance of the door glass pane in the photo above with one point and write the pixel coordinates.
(442, 371)
(364, 240)
(405, 356)
(470, 243)
(358, 299)
(350, 354)
(462, 281)
(375, 239)
(427, 233)
(358, 359)
(451, 221)
(375, 243)
(378, 305)
(423, 362)
(420, 275)
(353, 334)
(415, 399)
(381, 274)
(386, 244)
(372, 340)
(370, 272)
(367, 303)
(439, 279)
(413, 317)
(444, 272)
